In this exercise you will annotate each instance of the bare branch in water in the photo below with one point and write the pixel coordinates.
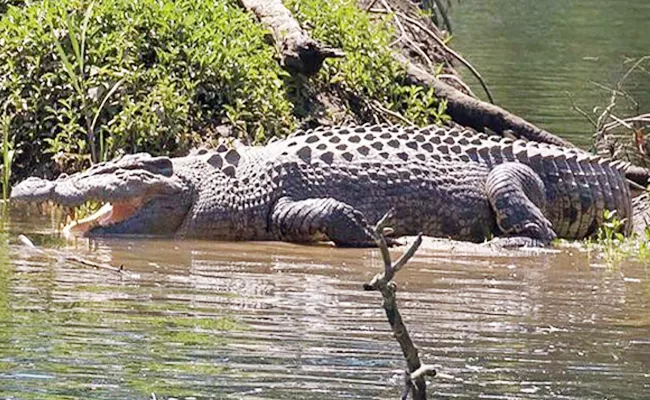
(414, 377)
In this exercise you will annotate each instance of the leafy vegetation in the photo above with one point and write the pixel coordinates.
(84, 81)
(368, 70)
(87, 78)
(614, 247)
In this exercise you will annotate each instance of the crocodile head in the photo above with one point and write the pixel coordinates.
(141, 195)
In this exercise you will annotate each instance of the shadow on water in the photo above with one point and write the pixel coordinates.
(197, 319)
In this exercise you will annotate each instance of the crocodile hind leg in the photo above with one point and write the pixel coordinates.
(518, 199)
(315, 219)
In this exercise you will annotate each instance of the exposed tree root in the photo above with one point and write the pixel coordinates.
(298, 51)
(302, 54)
(475, 113)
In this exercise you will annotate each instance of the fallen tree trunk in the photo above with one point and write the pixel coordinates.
(298, 51)
(475, 113)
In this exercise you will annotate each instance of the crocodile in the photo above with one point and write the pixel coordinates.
(334, 183)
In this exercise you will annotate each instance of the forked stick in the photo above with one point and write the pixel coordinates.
(414, 377)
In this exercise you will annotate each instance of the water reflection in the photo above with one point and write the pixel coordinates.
(193, 319)
(533, 52)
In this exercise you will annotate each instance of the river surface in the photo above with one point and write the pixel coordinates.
(198, 320)
(532, 53)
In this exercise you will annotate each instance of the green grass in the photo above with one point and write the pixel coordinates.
(613, 246)
(88, 80)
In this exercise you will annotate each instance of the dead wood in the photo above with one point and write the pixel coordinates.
(475, 113)
(298, 51)
(414, 378)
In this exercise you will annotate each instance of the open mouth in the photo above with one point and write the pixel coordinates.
(109, 214)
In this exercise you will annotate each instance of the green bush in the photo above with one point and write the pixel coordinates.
(86, 80)
(181, 68)
(368, 69)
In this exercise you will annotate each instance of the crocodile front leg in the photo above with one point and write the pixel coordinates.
(518, 198)
(317, 219)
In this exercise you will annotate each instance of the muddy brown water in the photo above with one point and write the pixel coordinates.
(199, 319)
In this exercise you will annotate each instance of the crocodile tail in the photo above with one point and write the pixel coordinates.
(641, 213)
(579, 186)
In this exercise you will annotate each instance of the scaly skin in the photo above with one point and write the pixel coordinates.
(333, 183)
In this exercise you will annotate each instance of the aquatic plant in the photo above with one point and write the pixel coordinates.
(614, 247)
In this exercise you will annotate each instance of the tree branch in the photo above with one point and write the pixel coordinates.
(299, 52)
(414, 379)
(475, 113)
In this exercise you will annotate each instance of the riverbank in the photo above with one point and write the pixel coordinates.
(89, 81)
